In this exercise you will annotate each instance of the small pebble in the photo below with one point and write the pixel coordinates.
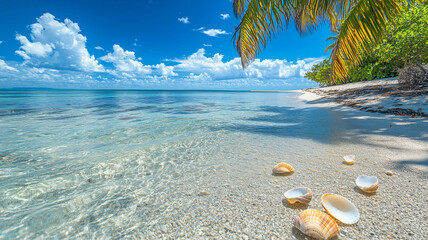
(90, 180)
(203, 193)
(389, 173)
(398, 218)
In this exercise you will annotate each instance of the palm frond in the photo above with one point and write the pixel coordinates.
(364, 24)
(239, 7)
(263, 18)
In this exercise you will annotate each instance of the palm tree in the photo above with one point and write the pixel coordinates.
(357, 25)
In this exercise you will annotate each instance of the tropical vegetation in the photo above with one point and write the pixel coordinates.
(405, 43)
(358, 26)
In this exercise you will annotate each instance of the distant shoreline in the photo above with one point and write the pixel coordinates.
(141, 90)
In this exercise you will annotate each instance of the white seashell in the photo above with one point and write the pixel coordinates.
(367, 184)
(340, 208)
(316, 224)
(300, 194)
(349, 159)
(283, 169)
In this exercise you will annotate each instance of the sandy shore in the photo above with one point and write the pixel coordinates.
(395, 128)
(239, 198)
(383, 96)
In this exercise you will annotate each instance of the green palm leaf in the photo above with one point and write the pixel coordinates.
(358, 24)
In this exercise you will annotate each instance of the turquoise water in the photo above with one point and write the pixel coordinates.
(109, 164)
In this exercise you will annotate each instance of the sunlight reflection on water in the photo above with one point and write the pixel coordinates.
(102, 164)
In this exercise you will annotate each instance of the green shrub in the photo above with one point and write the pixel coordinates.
(320, 73)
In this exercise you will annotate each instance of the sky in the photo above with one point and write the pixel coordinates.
(144, 44)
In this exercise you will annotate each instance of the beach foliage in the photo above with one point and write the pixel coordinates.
(320, 73)
(357, 26)
(405, 43)
(407, 39)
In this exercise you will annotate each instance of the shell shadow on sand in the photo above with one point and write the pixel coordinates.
(286, 204)
(282, 174)
(358, 190)
(299, 235)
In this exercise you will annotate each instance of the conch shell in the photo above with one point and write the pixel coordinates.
(301, 194)
(349, 159)
(367, 184)
(316, 224)
(340, 208)
(283, 169)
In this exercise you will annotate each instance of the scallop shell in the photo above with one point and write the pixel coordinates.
(368, 184)
(349, 159)
(340, 208)
(283, 169)
(300, 194)
(316, 224)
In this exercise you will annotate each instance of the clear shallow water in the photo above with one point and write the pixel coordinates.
(110, 164)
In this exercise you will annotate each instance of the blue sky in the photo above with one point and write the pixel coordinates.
(145, 44)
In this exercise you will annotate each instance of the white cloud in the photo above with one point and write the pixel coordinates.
(165, 70)
(1, 42)
(128, 66)
(125, 61)
(184, 20)
(99, 48)
(4, 66)
(57, 45)
(224, 16)
(263, 70)
(207, 45)
(214, 32)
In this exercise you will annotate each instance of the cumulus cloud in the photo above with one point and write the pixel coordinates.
(184, 20)
(164, 70)
(125, 61)
(57, 45)
(224, 16)
(214, 32)
(265, 70)
(4, 66)
(127, 65)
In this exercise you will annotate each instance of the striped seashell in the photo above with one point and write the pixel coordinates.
(316, 224)
(283, 169)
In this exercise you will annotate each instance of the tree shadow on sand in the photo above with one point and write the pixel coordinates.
(327, 126)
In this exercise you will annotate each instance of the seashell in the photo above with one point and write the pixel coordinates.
(340, 208)
(283, 169)
(316, 224)
(367, 184)
(349, 159)
(300, 194)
